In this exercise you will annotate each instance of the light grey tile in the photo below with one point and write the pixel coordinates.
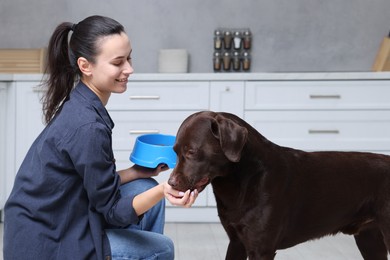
(199, 241)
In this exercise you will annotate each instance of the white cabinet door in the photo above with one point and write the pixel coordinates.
(29, 117)
(130, 124)
(177, 95)
(9, 128)
(3, 145)
(325, 130)
(323, 95)
(23, 117)
(227, 96)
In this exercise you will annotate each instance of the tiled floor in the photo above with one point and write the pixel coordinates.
(209, 241)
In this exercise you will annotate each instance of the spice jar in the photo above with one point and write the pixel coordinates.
(236, 61)
(237, 40)
(217, 39)
(246, 61)
(217, 61)
(227, 61)
(227, 40)
(247, 39)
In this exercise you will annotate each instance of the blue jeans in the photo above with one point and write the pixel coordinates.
(144, 240)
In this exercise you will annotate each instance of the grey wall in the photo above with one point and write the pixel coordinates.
(289, 35)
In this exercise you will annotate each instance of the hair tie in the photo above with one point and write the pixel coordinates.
(73, 28)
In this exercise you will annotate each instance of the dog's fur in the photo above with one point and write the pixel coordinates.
(271, 197)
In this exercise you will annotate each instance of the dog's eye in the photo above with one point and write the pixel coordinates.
(191, 152)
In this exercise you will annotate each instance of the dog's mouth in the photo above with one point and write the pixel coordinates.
(201, 184)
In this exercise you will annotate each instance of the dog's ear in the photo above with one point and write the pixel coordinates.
(231, 135)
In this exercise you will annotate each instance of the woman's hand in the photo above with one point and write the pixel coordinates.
(147, 199)
(144, 172)
(179, 198)
(139, 172)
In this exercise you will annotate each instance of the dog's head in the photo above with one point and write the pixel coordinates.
(207, 143)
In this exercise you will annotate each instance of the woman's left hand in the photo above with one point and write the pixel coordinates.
(144, 172)
(139, 172)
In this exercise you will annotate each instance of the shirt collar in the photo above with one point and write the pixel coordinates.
(91, 98)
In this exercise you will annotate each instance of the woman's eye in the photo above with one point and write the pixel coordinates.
(117, 63)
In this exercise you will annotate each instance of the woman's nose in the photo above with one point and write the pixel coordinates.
(129, 68)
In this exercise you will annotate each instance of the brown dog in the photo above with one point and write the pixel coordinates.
(271, 197)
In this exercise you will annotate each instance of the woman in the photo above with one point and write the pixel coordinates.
(68, 200)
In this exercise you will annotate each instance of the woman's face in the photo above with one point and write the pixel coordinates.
(112, 67)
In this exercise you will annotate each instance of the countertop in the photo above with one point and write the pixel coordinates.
(229, 76)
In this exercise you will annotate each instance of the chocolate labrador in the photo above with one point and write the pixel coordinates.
(271, 197)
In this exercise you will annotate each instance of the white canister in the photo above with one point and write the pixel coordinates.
(173, 61)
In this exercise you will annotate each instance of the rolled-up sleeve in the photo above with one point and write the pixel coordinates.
(90, 150)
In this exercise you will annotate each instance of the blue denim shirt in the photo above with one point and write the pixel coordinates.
(67, 189)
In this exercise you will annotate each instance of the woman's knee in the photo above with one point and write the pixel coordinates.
(170, 251)
(135, 244)
(167, 250)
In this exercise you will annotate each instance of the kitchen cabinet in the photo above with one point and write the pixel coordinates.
(322, 115)
(29, 117)
(3, 137)
(155, 107)
(227, 96)
(309, 111)
(21, 114)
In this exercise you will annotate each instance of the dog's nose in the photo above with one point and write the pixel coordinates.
(173, 181)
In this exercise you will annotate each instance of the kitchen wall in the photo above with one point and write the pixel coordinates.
(289, 35)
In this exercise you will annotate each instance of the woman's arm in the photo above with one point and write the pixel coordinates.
(146, 200)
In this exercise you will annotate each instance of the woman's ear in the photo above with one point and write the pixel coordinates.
(84, 66)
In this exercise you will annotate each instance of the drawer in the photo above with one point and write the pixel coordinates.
(130, 124)
(325, 130)
(162, 96)
(317, 95)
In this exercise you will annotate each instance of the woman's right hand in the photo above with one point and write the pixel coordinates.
(179, 198)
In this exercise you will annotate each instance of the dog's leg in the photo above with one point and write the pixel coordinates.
(262, 256)
(384, 224)
(386, 236)
(236, 251)
(371, 244)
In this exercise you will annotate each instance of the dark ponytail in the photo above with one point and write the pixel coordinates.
(62, 68)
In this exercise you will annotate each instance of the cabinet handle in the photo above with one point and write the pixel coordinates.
(38, 89)
(145, 97)
(138, 132)
(325, 96)
(324, 131)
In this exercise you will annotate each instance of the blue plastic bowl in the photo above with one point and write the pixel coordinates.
(150, 150)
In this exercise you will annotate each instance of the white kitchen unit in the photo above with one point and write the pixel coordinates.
(160, 107)
(154, 107)
(322, 115)
(29, 117)
(309, 111)
(3, 137)
(21, 113)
